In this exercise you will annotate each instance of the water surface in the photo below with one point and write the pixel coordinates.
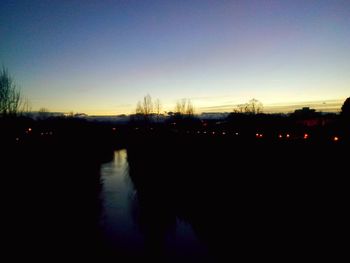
(122, 225)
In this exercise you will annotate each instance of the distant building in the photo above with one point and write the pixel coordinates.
(305, 111)
(310, 118)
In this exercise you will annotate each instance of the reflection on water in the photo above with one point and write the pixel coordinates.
(125, 220)
(118, 199)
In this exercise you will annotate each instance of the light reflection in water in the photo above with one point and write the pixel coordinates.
(120, 216)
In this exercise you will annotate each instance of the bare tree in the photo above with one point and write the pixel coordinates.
(180, 106)
(145, 108)
(184, 107)
(240, 108)
(252, 107)
(147, 105)
(139, 109)
(157, 108)
(11, 101)
(189, 109)
(26, 107)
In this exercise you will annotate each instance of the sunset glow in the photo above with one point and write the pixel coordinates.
(101, 57)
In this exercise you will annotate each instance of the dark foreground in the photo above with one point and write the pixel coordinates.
(243, 198)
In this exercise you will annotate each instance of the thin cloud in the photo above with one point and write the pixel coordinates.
(326, 105)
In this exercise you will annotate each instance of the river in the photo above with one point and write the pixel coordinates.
(120, 220)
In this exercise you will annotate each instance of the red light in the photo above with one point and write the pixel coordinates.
(29, 129)
(257, 134)
(213, 133)
(335, 138)
(280, 136)
(287, 135)
(113, 129)
(260, 135)
(223, 133)
(306, 136)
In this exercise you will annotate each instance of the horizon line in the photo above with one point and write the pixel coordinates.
(332, 106)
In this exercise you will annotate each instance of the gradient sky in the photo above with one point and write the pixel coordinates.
(101, 57)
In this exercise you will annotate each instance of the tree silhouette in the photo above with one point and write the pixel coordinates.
(145, 108)
(147, 105)
(11, 101)
(252, 107)
(345, 109)
(184, 107)
(158, 108)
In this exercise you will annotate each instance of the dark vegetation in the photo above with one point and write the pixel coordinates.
(246, 187)
(252, 186)
(51, 184)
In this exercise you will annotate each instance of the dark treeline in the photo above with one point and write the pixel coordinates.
(251, 185)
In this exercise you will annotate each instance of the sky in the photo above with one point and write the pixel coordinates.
(101, 57)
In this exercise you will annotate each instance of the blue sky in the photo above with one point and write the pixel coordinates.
(101, 57)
